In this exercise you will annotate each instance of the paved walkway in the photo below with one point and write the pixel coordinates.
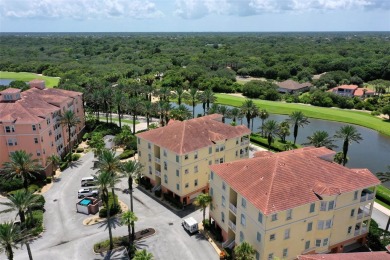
(382, 209)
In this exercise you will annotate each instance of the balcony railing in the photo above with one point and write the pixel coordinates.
(243, 155)
(364, 230)
(357, 232)
(157, 160)
(232, 225)
(244, 141)
(367, 196)
(233, 208)
(360, 215)
(158, 173)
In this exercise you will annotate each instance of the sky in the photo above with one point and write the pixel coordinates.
(193, 15)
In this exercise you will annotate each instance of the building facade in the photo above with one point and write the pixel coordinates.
(176, 157)
(29, 121)
(291, 203)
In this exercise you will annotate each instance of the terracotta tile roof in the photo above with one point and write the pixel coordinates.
(190, 135)
(348, 86)
(359, 92)
(34, 105)
(10, 90)
(36, 81)
(285, 180)
(293, 85)
(382, 255)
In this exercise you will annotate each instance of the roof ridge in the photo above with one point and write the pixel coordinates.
(182, 136)
(272, 184)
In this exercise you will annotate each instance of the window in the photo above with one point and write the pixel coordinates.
(223, 186)
(177, 173)
(287, 233)
(274, 217)
(323, 206)
(260, 217)
(165, 153)
(35, 140)
(210, 150)
(150, 170)
(9, 129)
(196, 155)
(318, 242)
(349, 229)
(242, 238)
(195, 168)
(312, 207)
(165, 178)
(139, 141)
(149, 157)
(331, 205)
(186, 157)
(50, 133)
(307, 245)
(41, 139)
(258, 237)
(320, 225)
(328, 224)
(210, 162)
(325, 243)
(243, 220)
(285, 252)
(165, 166)
(223, 201)
(196, 182)
(186, 171)
(236, 140)
(355, 195)
(38, 153)
(223, 217)
(187, 185)
(149, 146)
(212, 175)
(289, 214)
(139, 153)
(271, 256)
(34, 128)
(309, 226)
(10, 142)
(221, 160)
(257, 255)
(178, 186)
(272, 237)
(352, 212)
(211, 191)
(177, 158)
(243, 202)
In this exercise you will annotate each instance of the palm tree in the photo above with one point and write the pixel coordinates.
(321, 138)
(180, 113)
(283, 130)
(131, 170)
(384, 176)
(207, 97)
(349, 134)
(135, 107)
(109, 162)
(224, 111)
(167, 107)
(143, 255)
(234, 113)
(22, 166)
(270, 130)
(10, 237)
(128, 218)
(149, 108)
(192, 97)
(97, 143)
(21, 201)
(339, 158)
(69, 119)
(104, 180)
(179, 94)
(119, 101)
(213, 109)
(297, 118)
(263, 114)
(244, 251)
(55, 162)
(203, 200)
(254, 113)
(246, 109)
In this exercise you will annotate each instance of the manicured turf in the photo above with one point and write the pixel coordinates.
(333, 114)
(26, 76)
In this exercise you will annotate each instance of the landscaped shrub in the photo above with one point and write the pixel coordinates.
(79, 150)
(48, 180)
(102, 213)
(206, 224)
(276, 145)
(42, 201)
(75, 156)
(85, 137)
(375, 113)
(63, 166)
(113, 211)
(36, 224)
(7, 185)
(126, 154)
(383, 194)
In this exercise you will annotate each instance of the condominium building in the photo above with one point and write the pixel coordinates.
(291, 203)
(176, 157)
(29, 121)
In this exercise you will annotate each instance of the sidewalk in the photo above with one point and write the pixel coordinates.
(381, 208)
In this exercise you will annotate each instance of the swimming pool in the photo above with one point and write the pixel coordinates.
(85, 202)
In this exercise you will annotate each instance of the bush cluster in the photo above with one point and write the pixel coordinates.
(126, 154)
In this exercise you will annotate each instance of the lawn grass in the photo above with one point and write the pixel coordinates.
(27, 76)
(333, 114)
(103, 119)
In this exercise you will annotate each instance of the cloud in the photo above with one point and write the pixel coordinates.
(192, 9)
(79, 9)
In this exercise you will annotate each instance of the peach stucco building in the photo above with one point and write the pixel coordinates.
(177, 156)
(29, 121)
(291, 203)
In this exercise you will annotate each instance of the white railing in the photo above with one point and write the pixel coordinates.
(158, 173)
(367, 196)
(157, 187)
(243, 155)
(233, 208)
(245, 141)
(231, 244)
(360, 215)
(157, 160)
(232, 225)
(228, 243)
(371, 196)
(357, 232)
(364, 230)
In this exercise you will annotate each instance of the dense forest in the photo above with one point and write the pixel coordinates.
(206, 60)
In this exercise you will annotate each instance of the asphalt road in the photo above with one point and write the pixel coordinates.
(65, 236)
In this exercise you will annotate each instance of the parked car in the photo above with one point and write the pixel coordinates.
(88, 181)
(87, 192)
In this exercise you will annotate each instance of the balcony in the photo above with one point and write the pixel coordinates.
(233, 208)
(243, 155)
(244, 141)
(367, 196)
(157, 160)
(363, 212)
(232, 225)
(157, 173)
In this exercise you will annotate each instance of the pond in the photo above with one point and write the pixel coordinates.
(373, 152)
(5, 82)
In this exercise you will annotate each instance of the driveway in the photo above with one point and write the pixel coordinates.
(67, 238)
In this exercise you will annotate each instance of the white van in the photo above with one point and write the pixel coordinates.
(88, 181)
(190, 224)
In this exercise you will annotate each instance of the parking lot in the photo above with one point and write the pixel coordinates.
(66, 237)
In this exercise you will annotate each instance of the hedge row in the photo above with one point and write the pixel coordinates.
(276, 145)
(126, 154)
(383, 194)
